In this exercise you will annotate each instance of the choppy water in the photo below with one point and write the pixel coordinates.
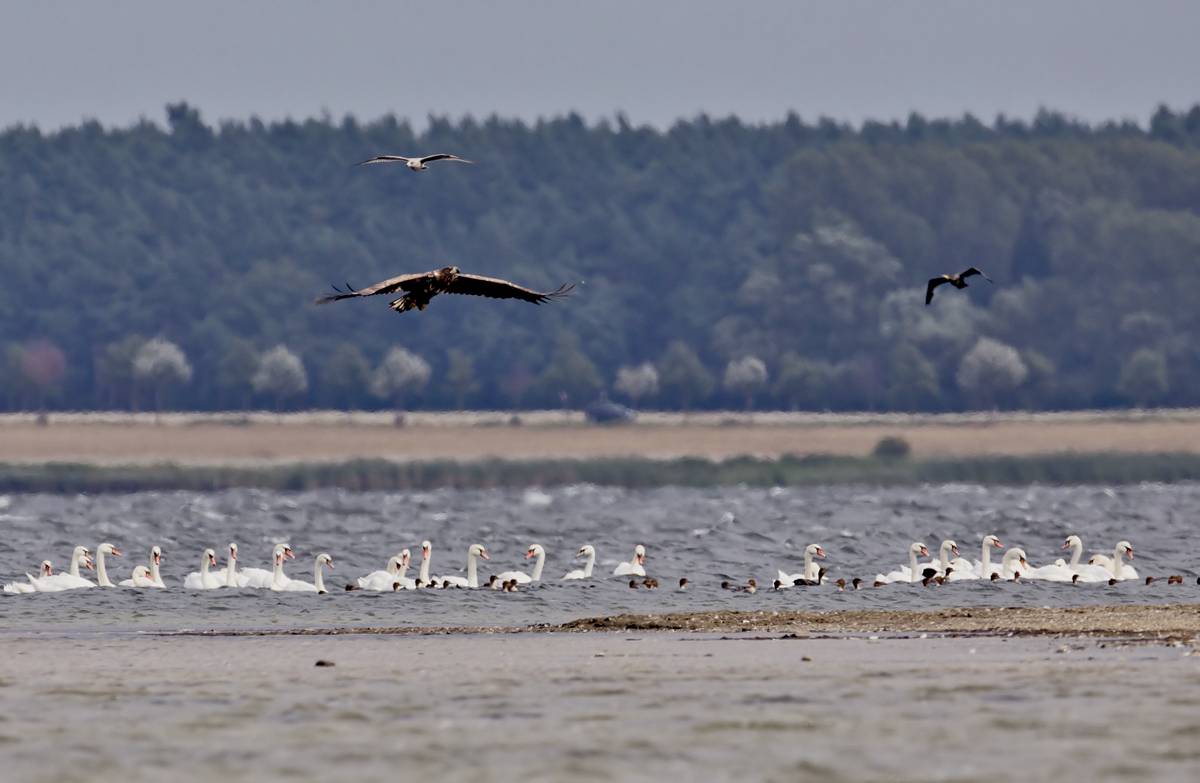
(709, 535)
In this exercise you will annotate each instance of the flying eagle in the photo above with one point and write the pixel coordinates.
(419, 289)
(958, 281)
(416, 164)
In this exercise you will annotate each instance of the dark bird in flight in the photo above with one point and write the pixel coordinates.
(958, 281)
(416, 164)
(420, 288)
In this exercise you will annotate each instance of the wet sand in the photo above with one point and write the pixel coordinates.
(197, 440)
(630, 706)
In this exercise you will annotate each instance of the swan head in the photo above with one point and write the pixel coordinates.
(814, 549)
(108, 549)
(210, 556)
(587, 550)
(1073, 541)
(640, 553)
(84, 554)
(1016, 553)
(950, 546)
(404, 556)
(477, 550)
(141, 572)
(233, 550)
(156, 554)
(918, 549)
(535, 550)
(990, 540)
(426, 548)
(44, 569)
(325, 559)
(1125, 548)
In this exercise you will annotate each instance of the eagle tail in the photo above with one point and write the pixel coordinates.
(562, 292)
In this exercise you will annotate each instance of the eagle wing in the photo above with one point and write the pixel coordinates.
(443, 156)
(934, 283)
(383, 159)
(473, 285)
(974, 271)
(401, 283)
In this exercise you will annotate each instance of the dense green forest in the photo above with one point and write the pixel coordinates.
(718, 264)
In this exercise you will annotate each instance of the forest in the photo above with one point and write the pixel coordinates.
(717, 264)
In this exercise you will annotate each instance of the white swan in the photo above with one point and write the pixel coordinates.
(1012, 564)
(913, 573)
(387, 579)
(155, 579)
(101, 572)
(229, 575)
(70, 580)
(426, 557)
(943, 559)
(964, 569)
(17, 588)
(262, 579)
(535, 550)
(811, 570)
(318, 583)
(588, 551)
(141, 578)
(1116, 568)
(472, 580)
(202, 579)
(1060, 571)
(634, 566)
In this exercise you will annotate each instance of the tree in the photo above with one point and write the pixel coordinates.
(400, 373)
(682, 376)
(1144, 377)
(236, 370)
(281, 374)
(637, 382)
(114, 370)
(161, 363)
(991, 368)
(570, 374)
(460, 376)
(515, 383)
(42, 365)
(912, 380)
(345, 377)
(801, 382)
(746, 377)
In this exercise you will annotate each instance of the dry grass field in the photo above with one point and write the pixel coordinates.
(109, 439)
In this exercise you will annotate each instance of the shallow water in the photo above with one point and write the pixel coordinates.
(707, 535)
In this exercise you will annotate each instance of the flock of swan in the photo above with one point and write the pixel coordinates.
(943, 569)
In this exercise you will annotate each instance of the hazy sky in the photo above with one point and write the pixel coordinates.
(119, 60)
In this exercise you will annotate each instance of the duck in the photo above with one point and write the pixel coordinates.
(912, 574)
(683, 583)
(522, 578)
(588, 551)
(17, 588)
(635, 566)
(810, 568)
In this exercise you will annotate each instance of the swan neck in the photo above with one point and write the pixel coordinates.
(318, 579)
(75, 565)
(537, 567)
(1076, 553)
(472, 578)
(230, 572)
(945, 558)
(912, 560)
(154, 576)
(587, 569)
(402, 570)
(101, 571)
(424, 575)
(1114, 566)
(278, 572)
(987, 559)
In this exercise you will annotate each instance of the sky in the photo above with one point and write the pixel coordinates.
(656, 61)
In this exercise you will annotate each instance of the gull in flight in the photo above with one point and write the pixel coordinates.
(420, 288)
(958, 281)
(416, 164)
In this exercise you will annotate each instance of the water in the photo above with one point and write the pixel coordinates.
(707, 535)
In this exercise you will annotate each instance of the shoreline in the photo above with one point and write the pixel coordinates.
(1165, 623)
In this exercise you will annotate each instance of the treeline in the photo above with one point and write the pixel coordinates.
(720, 264)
